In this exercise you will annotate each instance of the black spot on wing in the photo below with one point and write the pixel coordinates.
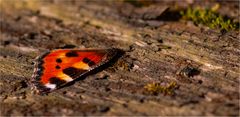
(88, 61)
(57, 67)
(73, 72)
(57, 81)
(72, 54)
(58, 60)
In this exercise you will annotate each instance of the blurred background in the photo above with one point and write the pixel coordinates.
(182, 56)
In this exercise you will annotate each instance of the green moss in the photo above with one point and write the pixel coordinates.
(156, 88)
(209, 18)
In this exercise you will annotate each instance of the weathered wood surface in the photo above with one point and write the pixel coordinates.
(157, 51)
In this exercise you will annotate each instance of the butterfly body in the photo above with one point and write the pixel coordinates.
(59, 67)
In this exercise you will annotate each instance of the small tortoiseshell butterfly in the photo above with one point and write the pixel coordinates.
(59, 67)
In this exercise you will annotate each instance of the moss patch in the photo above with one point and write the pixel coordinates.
(210, 18)
(156, 88)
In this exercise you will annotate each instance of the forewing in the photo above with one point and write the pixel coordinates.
(59, 67)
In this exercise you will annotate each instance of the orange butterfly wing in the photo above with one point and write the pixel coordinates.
(59, 67)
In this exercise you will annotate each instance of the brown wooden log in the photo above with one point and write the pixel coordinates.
(171, 66)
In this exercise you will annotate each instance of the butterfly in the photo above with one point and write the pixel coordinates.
(54, 69)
